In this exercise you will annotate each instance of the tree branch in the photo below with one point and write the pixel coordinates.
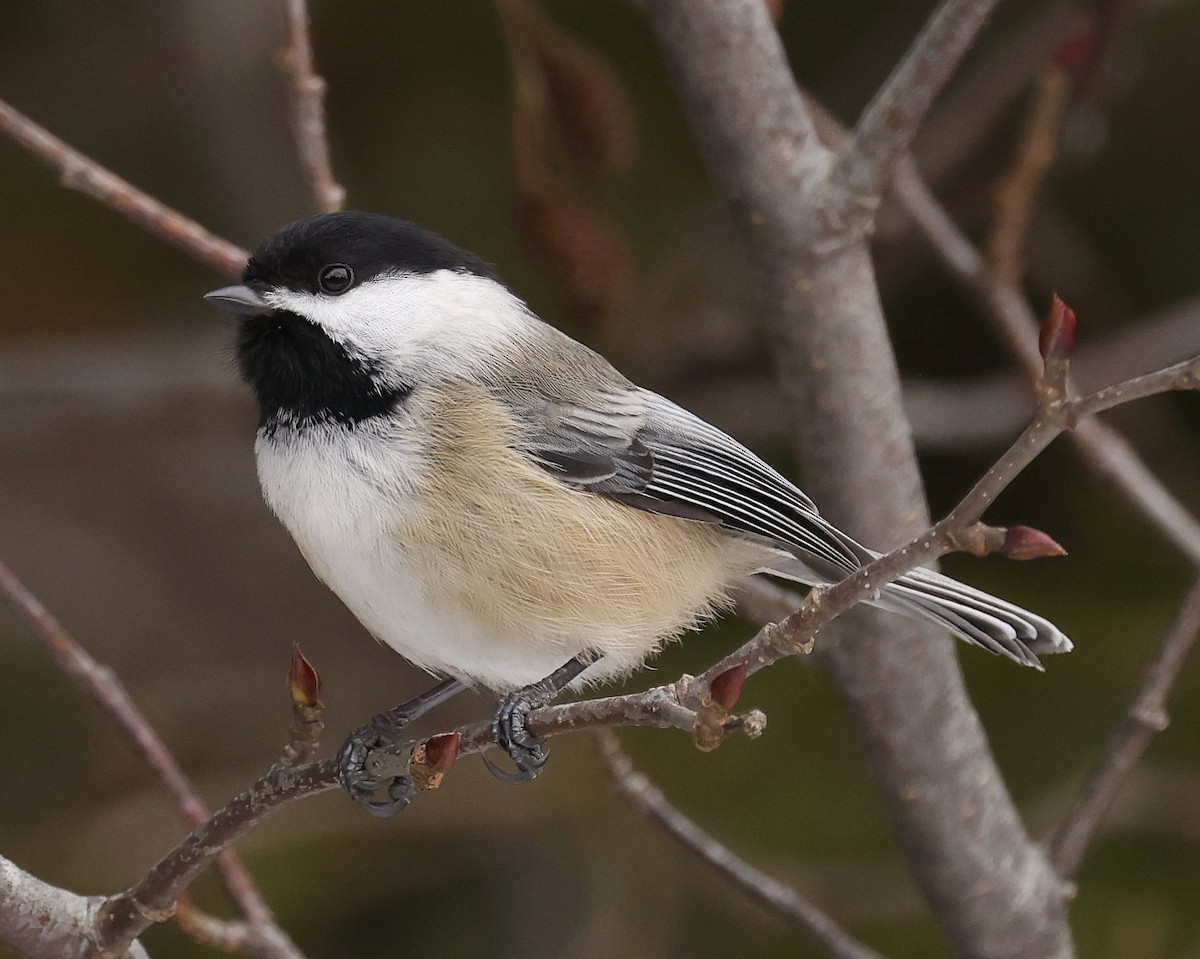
(990, 888)
(107, 691)
(1114, 458)
(78, 172)
(308, 109)
(779, 898)
(686, 704)
(1101, 446)
(892, 118)
(41, 921)
(1147, 716)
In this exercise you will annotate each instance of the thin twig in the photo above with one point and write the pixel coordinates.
(236, 937)
(308, 109)
(78, 172)
(892, 118)
(103, 686)
(778, 897)
(1107, 451)
(1147, 716)
(1101, 446)
(122, 918)
(1037, 152)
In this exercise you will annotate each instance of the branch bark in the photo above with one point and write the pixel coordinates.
(79, 172)
(1146, 717)
(103, 686)
(41, 921)
(990, 888)
(891, 120)
(781, 899)
(308, 109)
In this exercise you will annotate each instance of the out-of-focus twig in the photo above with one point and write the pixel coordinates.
(1147, 715)
(997, 288)
(891, 120)
(1035, 156)
(103, 686)
(308, 109)
(560, 85)
(236, 936)
(78, 172)
(779, 898)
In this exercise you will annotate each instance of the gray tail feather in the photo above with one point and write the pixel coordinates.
(970, 614)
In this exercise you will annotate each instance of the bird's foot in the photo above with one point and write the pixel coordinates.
(509, 728)
(384, 796)
(381, 796)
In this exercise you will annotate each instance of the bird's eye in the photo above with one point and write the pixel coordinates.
(335, 279)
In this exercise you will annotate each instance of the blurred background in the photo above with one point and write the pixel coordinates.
(128, 501)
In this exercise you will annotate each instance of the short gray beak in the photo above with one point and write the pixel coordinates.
(239, 299)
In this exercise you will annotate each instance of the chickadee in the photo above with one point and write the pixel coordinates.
(496, 502)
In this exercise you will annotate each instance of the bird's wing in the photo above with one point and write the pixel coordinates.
(640, 449)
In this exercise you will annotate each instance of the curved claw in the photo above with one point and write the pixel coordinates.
(527, 751)
(362, 786)
(529, 767)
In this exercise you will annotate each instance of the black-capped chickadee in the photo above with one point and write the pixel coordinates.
(495, 501)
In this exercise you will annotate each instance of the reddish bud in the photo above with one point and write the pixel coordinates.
(1025, 542)
(1057, 338)
(432, 758)
(726, 689)
(442, 751)
(303, 681)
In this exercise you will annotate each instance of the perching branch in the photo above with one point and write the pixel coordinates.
(989, 886)
(688, 704)
(1111, 455)
(78, 172)
(103, 686)
(308, 109)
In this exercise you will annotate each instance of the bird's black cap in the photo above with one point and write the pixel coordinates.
(368, 243)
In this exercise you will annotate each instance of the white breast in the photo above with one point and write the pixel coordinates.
(484, 568)
(323, 485)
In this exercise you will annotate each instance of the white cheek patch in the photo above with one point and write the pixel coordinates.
(449, 320)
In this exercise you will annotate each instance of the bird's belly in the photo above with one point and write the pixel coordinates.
(503, 575)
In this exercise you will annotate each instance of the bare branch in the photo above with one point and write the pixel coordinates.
(233, 936)
(920, 733)
(122, 918)
(1147, 716)
(103, 686)
(41, 921)
(892, 118)
(685, 704)
(1101, 446)
(781, 899)
(78, 172)
(1181, 376)
(308, 109)
(1037, 152)
(1107, 451)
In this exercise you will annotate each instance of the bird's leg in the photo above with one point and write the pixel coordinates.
(508, 728)
(382, 731)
